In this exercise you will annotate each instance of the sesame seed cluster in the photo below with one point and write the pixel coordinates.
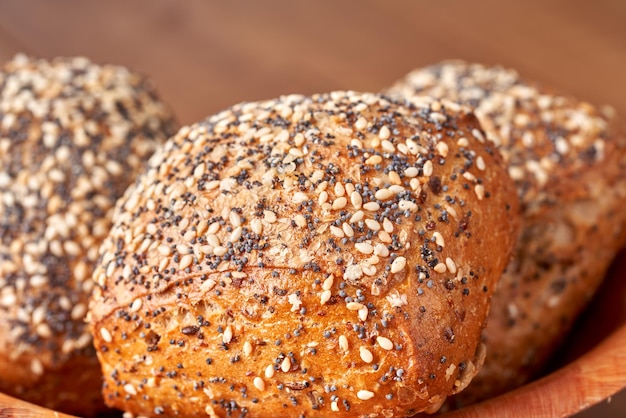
(568, 161)
(72, 136)
(543, 136)
(305, 256)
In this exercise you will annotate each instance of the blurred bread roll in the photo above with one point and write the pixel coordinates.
(332, 254)
(72, 137)
(567, 159)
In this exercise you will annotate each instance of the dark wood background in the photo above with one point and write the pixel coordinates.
(205, 56)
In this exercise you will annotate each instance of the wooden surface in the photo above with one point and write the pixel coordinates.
(585, 381)
(205, 56)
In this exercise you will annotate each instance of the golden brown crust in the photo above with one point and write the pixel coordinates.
(72, 135)
(304, 256)
(568, 162)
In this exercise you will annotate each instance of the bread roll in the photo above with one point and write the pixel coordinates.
(72, 136)
(305, 255)
(568, 163)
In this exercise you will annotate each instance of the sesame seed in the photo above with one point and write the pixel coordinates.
(339, 189)
(442, 149)
(394, 178)
(106, 335)
(130, 389)
(285, 366)
(374, 159)
(372, 224)
(440, 268)
(186, 261)
(35, 281)
(208, 285)
(398, 265)
(199, 170)
(323, 197)
(407, 205)
(299, 197)
(480, 163)
(357, 216)
(220, 251)
(428, 168)
(325, 297)
(340, 203)
(257, 226)
(469, 176)
(300, 220)
(78, 311)
(366, 355)
(212, 185)
(439, 239)
(356, 199)
(135, 306)
(412, 145)
(362, 313)
(334, 406)
(328, 283)
(478, 135)
(213, 228)
(364, 395)
(411, 172)
(360, 123)
(43, 330)
(383, 194)
(269, 371)
(451, 265)
(36, 367)
(384, 133)
(388, 146)
(236, 234)
(234, 219)
(213, 240)
(384, 236)
(479, 189)
(347, 229)
(354, 306)
(387, 225)
(227, 336)
(385, 343)
(343, 343)
(462, 142)
(259, 383)
(269, 216)
(371, 206)
(247, 348)
(364, 247)
(338, 232)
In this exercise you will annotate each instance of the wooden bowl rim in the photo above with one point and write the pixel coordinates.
(580, 384)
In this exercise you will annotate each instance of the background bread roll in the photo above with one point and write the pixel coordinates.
(567, 159)
(305, 255)
(72, 136)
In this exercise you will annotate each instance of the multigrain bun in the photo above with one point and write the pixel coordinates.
(568, 163)
(305, 255)
(72, 136)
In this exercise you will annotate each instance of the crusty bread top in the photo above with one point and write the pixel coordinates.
(545, 137)
(72, 133)
(352, 233)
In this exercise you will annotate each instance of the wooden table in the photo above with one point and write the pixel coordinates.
(205, 56)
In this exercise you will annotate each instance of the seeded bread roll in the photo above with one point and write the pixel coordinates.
(568, 162)
(72, 136)
(304, 256)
